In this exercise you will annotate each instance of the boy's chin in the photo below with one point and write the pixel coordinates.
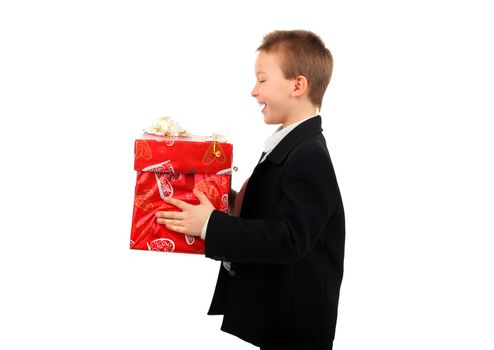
(272, 121)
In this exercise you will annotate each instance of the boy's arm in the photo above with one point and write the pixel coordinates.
(309, 197)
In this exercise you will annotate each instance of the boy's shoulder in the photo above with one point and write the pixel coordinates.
(312, 147)
(309, 162)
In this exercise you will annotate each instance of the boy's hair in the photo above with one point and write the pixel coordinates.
(303, 53)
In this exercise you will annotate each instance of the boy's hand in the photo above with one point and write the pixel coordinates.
(191, 219)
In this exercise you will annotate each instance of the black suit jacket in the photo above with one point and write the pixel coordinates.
(286, 248)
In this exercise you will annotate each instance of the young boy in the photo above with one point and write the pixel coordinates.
(279, 285)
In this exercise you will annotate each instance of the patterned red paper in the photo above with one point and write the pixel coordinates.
(171, 166)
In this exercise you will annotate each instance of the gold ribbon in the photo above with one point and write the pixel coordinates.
(216, 153)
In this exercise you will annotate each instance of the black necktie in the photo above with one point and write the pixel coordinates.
(262, 156)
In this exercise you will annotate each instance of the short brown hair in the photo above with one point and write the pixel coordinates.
(304, 54)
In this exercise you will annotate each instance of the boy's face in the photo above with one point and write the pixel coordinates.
(272, 91)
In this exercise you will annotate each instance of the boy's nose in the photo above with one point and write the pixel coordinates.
(254, 91)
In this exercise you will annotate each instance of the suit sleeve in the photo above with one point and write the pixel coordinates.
(308, 198)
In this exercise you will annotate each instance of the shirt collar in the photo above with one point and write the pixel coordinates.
(280, 133)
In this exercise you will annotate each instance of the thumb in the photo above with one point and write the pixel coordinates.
(201, 196)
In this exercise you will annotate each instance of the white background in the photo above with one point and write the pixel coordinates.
(406, 117)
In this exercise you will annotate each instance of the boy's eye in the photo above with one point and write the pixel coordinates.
(261, 81)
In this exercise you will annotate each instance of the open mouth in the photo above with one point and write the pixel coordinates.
(263, 106)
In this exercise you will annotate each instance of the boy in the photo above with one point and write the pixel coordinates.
(278, 287)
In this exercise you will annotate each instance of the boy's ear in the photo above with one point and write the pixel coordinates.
(300, 85)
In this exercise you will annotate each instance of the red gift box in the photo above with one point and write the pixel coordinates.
(171, 166)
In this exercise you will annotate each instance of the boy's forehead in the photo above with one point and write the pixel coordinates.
(266, 62)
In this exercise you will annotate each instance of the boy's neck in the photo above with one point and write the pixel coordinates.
(301, 115)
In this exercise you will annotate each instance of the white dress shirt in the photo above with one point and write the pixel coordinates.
(269, 145)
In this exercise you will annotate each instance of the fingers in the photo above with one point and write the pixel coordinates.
(176, 202)
(170, 215)
(201, 196)
(179, 229)
(191, 219)
(168, 222)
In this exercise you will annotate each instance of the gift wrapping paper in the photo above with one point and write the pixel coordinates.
(171, 166)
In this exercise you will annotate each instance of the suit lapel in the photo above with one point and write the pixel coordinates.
(308, 128)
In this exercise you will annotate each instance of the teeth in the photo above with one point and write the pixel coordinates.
(262, 105)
